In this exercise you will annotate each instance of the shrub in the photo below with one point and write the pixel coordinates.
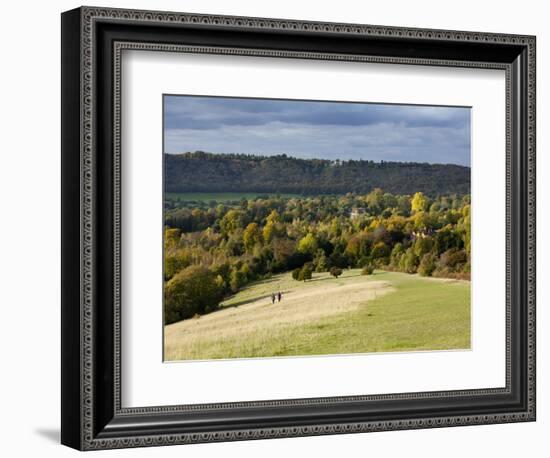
(453, 259)
(363, 261)
(303, 273)
(367, 270)
(335, 272)
(306, 272)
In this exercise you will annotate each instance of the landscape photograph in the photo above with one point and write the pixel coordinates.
(309, 228)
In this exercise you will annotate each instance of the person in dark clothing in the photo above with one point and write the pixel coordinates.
(272, 298)
(279, 296)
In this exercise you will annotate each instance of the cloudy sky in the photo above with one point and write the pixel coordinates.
(311, 129)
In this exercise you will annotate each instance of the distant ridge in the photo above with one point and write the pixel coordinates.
(207, 172)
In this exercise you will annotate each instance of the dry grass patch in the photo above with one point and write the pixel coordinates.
(250, 315)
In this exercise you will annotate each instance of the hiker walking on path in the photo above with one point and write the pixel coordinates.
(279, 296)
(272, 298)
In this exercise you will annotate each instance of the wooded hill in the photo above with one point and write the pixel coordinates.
(206, 172)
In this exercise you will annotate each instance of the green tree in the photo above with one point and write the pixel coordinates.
(375, 200)
(422, 245)
(465, 228)
(358, 245)
(427, 265)
(396, 254)
(220, 282)
(191, 291)
(390, 201)
(409, 262)
(321, 261)
(237, 279)
(174, 263)
(404, 205)
(232, 221)
(446, 238)
(242, 241)
(380, 251)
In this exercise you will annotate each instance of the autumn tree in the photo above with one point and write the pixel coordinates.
(245, 240)
(231, 221)
(237, 279)
(375, 200)
(308, 244)
(171, 237)
(419, 202)
(251, 236)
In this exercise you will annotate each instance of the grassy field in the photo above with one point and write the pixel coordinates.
(218, 196)
(385, 312)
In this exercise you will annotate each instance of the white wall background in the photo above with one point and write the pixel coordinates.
(30, 214)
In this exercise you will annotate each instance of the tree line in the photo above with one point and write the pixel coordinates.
(206, 172)
(213, 251)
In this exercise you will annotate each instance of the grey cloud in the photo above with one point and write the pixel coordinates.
(318, 129)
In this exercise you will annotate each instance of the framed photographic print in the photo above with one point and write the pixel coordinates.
(278, 228)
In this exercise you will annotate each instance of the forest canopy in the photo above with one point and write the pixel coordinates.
(207, 172)
(213, 250)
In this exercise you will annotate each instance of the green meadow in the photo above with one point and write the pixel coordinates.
(354, 313)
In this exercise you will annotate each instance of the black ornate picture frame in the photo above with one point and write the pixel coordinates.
(92, 42)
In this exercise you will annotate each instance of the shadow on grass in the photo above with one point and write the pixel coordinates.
(265, 281)
(246, 301)
(330, 277)
(255, 299)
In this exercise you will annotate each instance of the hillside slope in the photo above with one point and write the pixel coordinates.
(387, 311)
(205, 172)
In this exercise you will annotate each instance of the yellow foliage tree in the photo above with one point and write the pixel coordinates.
(251, 236)
(419, 202)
